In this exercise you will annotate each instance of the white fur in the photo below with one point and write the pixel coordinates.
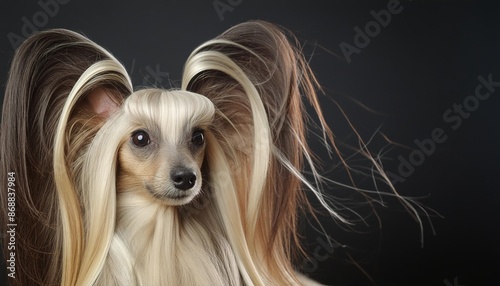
(156, 241)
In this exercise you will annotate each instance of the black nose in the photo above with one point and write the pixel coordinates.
(183, 178)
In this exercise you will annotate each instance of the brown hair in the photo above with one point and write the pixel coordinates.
(43, 72)
(271, 58)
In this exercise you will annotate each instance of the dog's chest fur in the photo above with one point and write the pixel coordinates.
(158, 245)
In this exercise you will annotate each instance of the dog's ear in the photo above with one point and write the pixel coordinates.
(103, 102)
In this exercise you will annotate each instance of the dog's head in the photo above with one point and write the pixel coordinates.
(162, 146)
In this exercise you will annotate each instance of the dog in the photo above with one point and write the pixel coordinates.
(155, 145)
(196, 186)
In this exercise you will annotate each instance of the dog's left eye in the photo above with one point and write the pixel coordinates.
(198, 137)
(140, 138)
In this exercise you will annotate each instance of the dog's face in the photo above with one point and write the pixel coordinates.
(161, 157)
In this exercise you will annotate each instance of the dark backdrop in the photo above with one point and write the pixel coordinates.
(411, 78)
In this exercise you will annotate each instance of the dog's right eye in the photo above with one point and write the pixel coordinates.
(140, 138)
(198, 137)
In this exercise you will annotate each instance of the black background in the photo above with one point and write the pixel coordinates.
(427, 58)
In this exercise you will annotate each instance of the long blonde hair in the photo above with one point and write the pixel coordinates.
(256, 77)
(44, 71)
(83, 232)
